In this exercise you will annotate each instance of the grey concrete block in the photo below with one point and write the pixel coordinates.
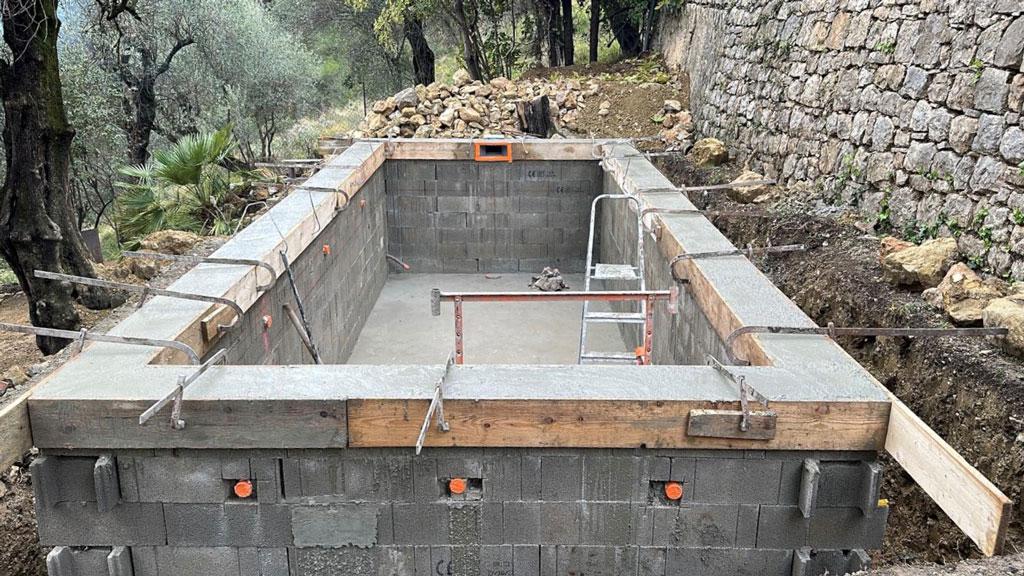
(336, 525)
(847, 528)
(421, 523)
(810, 477)
(119, 562)
(695, 525)
(871, 487)
(235, 467)
(350, 561)
(746, 525)
(609, 477)
(497, 560)
(731, 561)
(396, 561)
(542, 522)
(448, 171)
(651, 561)
(45, 485)
(229, 524)
(801, 562)
(737, 481)
(206, 560)
(65, 561)
(63, 479)
(262, 561)
(525, 560)
(597, 560)
(460, 265)
(465, 523)
(126, 477)
(643, 524)
(561, 477)
(180, 479)
(781, 527)
(606, 523)
(80, 524)
(105, 483)
(531, 478)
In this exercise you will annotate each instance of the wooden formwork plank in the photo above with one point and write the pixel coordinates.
(609, 424)
(425, 149)
(15, 434)
(976, 505)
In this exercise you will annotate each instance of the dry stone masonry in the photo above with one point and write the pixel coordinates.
(908, 109)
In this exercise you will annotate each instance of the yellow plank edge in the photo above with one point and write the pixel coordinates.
(976, 505)
(15, 434)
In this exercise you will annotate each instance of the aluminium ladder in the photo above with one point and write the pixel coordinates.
(624, 272)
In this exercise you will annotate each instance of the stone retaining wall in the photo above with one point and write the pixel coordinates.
(907, 109)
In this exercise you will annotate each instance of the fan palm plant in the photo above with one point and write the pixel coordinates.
(182, 188)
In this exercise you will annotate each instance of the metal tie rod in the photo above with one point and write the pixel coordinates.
(145, 291)
(178, 392)
(82, 335)
(210, 260)
(749, 252)
(436, 406)
(832, 331)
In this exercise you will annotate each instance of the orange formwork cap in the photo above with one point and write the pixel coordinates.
(457, 485)
(674, 490)
(243, 488)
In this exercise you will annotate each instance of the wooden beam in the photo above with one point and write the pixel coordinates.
(238, 424)
(426, 149)
(15, 434)
(610, 424)
(976, 505)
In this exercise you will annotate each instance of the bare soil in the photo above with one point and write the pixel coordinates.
(968, 390)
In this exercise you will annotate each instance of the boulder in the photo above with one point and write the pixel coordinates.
(407, 98)
(461, 78)
(748, 194)
(672, 106)
(923, 265)
(144, 269)
(170, 241)
(890, 244)
(469, 116)
(709, 152)
(1008, 313)
(965, 294)
(15, 375)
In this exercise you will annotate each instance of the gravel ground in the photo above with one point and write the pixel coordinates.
(999, 566)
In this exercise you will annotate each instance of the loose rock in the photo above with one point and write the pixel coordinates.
(709, 152)
(748, 194)
(1008, 313)
(923, 265)
(170, 241)
(965, 294)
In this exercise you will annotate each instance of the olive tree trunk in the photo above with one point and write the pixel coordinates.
(38, 228)
(422, 55)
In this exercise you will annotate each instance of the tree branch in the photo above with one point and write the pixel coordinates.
(181, 43)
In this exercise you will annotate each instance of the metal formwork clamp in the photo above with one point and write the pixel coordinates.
(436, 408)
(176, 395)
(747, 392)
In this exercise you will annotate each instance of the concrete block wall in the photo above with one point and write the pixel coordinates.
(681, 338)
(338, 289)
(526, 512)
(465, 216)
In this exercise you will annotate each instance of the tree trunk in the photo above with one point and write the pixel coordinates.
(626, 31)
(568, 34)
(540, 31)
(422, 55)
(139, 130)
(595, 28)
(470, 50)
(37, 220)
(554, 28)
(535, 117)
(649, 16)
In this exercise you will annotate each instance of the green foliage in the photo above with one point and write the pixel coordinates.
(978, 67)
(183, 188)
(887, 47)
(918, 232)
(1018, 216)
(883, 221)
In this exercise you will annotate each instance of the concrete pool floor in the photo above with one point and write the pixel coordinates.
(401, 330)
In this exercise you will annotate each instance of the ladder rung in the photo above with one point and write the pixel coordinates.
(616, 317)
(614, 272)
(617, 356)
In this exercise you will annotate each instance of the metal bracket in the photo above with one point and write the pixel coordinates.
(146, 291)
(82, 335)
(436, 407)
(177, 423)
(832, 331)
(747, 392)
(749, 252)
(210, 260)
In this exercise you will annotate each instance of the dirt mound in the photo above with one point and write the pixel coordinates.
(20, 553)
